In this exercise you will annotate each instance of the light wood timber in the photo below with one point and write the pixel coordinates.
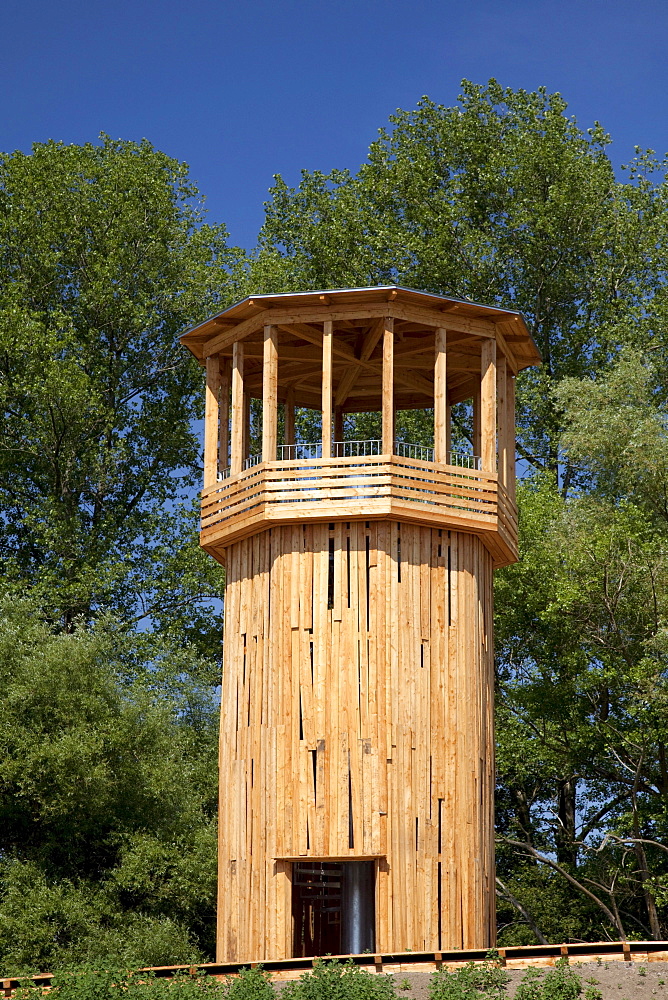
(407, 596)
(224, 415)
(211, 420)
(269, 395)
(327, 339)
(357, 691)
(388, 388)
(338, 423)
(510, 405)
(441, 449)
(237, 443)
(245, 450)
(289, 426)
(488, 406)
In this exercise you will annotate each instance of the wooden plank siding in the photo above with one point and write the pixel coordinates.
(369, 670)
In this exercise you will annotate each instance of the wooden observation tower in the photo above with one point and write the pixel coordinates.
(357, 744)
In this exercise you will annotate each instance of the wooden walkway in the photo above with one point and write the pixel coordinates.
(511, 958)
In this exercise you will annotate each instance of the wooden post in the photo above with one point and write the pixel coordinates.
(510, 409)
(289, 427)
(440, 398)
(488, 405)
(477, 446)
(327, 389)
(388, 387)
(448, 433)
(236, 458)
(245, 449)
(502, 417)
(224, 420)
(338, 423)
(211, 421)
(270, 395)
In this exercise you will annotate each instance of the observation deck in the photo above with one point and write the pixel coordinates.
(355, 351)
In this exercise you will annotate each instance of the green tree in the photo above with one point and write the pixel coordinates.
(503, 199)
(104, 260)
(107, 796)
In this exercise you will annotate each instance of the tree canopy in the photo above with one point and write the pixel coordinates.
(110, 629)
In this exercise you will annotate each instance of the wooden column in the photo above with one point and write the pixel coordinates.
(488, 405)
(448, 432)
(245, 448)
(502, 417)
(327, 389)
(441, 421)
(236, 458)
(289, 427)
(510, 409)
(477, 448)
(270, 395)
(224, 419)
(338, 423)
(388, 387)
(211, 421)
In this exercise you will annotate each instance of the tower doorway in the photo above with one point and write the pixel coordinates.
(333, 907)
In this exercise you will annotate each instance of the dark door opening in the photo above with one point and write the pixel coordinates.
(333, 907)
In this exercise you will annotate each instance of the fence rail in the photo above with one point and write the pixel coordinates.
(310, 488)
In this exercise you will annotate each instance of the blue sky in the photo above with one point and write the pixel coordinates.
(243, 90)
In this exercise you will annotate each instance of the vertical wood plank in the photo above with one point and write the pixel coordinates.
(327, 338)
(441, 450)
(211, 411)
(270, 394)
(510, 406)
(224, 419)
(488, 404)
(388, 388)
(237, 444)
(289, 425)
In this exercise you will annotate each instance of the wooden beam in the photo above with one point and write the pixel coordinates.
(477, 326)
(388, 387)
(327, 344)
(440, 396)
(289, 428)
(488, 405)
(270, 395)
(211, 421)
(369, 346)
(236, 457)
(224, 420)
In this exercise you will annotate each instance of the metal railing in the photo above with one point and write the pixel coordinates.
(310, 450)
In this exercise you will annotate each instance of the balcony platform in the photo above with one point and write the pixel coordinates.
(372, 487)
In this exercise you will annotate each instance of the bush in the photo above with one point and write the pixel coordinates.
(339, 981)
(87, 984)
(470, 982)
(560, 983)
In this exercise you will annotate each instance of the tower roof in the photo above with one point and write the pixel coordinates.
(245, 318)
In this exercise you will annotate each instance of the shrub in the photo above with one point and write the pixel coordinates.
(470, 982)
(339, 981)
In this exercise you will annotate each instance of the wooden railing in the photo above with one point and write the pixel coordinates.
(375, 486)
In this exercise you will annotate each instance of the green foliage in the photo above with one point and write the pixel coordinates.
(250, 984)
(560, 983)
(503, 199)
(339, 981)
(486, 981)
(107, 801)
(105, 259)
(108, 984)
